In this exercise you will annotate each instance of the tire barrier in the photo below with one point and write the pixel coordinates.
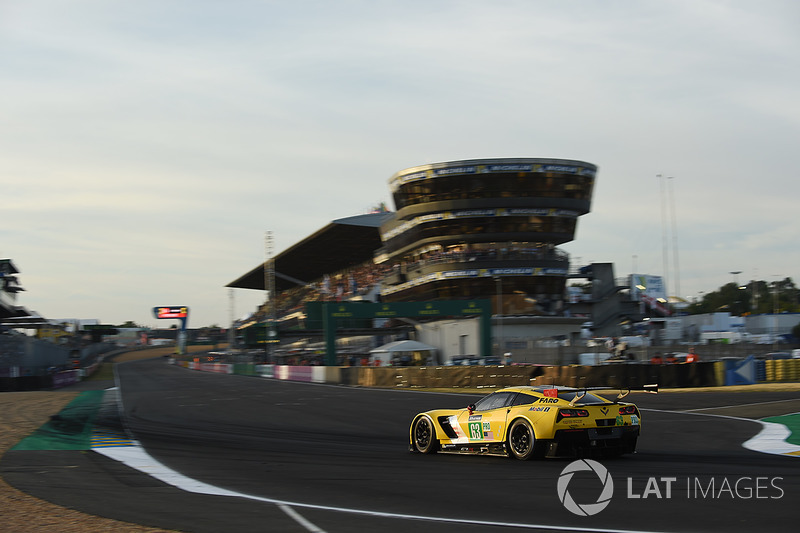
(769, 370)
(781, 370)
(761, 370)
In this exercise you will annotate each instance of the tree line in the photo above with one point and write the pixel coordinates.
(752, 298)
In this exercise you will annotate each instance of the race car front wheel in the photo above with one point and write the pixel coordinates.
(521, 441)
(424, 435)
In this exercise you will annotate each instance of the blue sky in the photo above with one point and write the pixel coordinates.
(146, 147)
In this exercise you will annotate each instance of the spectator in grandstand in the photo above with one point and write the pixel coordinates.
(610, 343)
(620, 349)
(692, 357)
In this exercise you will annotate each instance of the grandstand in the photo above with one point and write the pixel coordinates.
(9, 287)
(485, 228)
(32, 362)
(475, 229)
(335, 263)
(342, 244)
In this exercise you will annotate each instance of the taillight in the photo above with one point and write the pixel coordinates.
(571, 413)
(627, 410)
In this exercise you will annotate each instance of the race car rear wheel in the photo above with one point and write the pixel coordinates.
(424, 435)
(521, 440)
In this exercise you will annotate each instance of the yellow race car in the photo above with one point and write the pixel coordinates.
(525, 422)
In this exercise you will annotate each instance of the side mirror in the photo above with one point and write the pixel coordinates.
(471, 407)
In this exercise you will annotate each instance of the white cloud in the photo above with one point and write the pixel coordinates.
(147, 146)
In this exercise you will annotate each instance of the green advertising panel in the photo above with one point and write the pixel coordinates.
(362, 310)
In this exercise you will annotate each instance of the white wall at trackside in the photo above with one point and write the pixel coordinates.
(453, 338)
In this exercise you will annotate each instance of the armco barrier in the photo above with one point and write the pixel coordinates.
(244, 369)
(294, 373)
(220, 368)
(68, 377)
(265, 371)
(312, 374)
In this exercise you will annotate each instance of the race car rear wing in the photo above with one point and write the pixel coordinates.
(582, 391)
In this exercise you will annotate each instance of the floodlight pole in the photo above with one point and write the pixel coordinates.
(677, 273)
(232, 318)
(775, 311)
(499, 283)
(269, 287)
(664, 249)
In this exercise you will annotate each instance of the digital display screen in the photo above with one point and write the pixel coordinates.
(171, 312)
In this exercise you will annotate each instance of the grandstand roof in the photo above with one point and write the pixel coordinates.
(22, 318)
(341, 244)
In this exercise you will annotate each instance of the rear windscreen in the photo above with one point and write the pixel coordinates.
(589, 399)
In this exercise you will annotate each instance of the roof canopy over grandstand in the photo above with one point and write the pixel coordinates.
(340, 244)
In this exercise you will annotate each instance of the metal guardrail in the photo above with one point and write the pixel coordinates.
(21, 355)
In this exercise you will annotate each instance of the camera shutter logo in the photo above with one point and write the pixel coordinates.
(586, 509)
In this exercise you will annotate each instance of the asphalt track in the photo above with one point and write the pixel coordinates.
(329, 458)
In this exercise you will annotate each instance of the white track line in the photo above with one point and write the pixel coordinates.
(136, 457)
(771, 439)
(739, 405)
(300, 519)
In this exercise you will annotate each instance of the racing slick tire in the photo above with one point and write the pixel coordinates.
(423, 435)
(521, 440)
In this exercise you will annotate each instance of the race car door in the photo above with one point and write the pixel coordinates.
(487, 421)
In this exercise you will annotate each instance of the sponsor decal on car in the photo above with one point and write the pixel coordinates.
(475, 431)
(461, 437)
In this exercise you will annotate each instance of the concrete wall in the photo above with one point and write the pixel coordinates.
(453, 338)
